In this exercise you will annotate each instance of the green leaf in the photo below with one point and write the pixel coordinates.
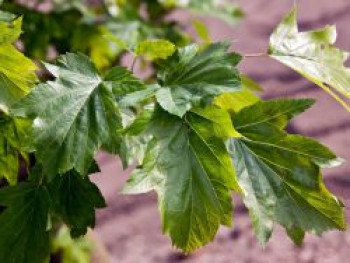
(276, 112)
(126, 34)
(91, 40)
(122, 82)
(15, 66)
(74, 200)
(188, 166)
(235, 101)
(6, 16)
(64, 5)
(76, 114)
(222, 9)
(9, 93)
(23, 234)
(155, 49)
(135, 139)
(16, 78)
(279, 174)
(137, 97)
(191, 77)
(297, 235)
(16, 73)
(312, 54)
(250, 84)
(9, 163)
(202, 31)
(10, 31)
(132, 149)
(13, 145)
(77, 250)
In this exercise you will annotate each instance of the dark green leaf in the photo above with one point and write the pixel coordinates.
(74, 200)
(279, 174)
(135, 98)
(192, 77)
(276, 112)
(23, 233)
(297, 235)
(122, 82)
(188, 166)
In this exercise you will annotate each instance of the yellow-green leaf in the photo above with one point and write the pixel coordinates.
(13, 64)
(313, 55)
(155, 49)
(202, 31)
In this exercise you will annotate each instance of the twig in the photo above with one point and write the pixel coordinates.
(133, 64)
(255, 55)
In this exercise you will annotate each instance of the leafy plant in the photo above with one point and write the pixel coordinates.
(197, 132)
(98, 30)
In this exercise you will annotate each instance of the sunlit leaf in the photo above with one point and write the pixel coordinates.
(75, 115)
(14, 65)
(312, 54)
(155, 49)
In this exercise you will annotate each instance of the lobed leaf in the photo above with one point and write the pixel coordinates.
(312, 54)
(74, 200)
(76, 114)
(188, 166)
(192, 77)
(24, 237)
(280, 174)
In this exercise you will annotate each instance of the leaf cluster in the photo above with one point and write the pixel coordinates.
(98, 30)
(197, 134)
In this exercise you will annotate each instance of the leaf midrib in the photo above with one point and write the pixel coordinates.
(286, 183)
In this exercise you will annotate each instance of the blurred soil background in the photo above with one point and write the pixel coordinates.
(130, 226)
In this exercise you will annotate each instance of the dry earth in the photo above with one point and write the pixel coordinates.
(130, 226)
